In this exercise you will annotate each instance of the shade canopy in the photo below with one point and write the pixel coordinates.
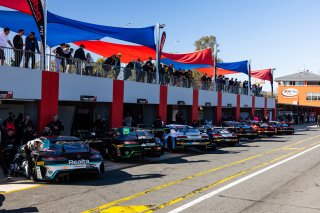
(64, 30)
(185, 61)
(265, 74)
(241, 66)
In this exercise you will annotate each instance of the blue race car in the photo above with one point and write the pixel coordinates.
(181, 136)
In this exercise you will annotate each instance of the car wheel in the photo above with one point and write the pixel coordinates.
(102, 170)
(113, 155)
(170, 145)
(33, 174)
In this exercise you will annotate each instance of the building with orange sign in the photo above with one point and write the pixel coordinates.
(299, 95)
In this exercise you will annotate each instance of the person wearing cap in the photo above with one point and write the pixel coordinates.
(117, 66)
(31, 47)
(80, 58)
(18, 45)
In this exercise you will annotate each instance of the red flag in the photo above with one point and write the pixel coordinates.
(20, 5)
(265, 74)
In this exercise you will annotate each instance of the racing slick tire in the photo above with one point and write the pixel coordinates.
(170, 144)
(112, 152)
(102, 169)
(33, 174)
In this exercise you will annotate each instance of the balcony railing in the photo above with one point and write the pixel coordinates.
(25, 59)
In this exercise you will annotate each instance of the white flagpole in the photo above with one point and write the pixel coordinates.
(157, 52)
(249, 77)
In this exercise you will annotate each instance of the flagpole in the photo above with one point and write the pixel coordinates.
(249, 77)
(272, 81)
(157, 52)
(44, 42)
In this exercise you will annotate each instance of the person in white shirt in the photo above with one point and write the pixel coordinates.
(3, 43)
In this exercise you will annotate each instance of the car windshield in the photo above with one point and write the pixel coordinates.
(69, 146)
(143, 133)
(264, 125)
(188, 130)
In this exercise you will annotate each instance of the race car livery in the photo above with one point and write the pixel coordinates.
(59, 156)
(181, 136)
(223, 135)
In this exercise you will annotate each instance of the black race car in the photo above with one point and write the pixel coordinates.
(51, 158)
(242, 129)
(282, 128)
(223, 135)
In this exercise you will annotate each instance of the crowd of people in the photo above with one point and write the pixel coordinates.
(66, 59)
(18, 131)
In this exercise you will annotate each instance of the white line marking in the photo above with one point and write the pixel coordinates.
(209, 195)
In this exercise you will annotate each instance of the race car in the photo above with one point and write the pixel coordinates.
(282, 128)
(223, 135)
(263, 128)
(52, 158)
(127, 142)
(242, 129)
(182, 136)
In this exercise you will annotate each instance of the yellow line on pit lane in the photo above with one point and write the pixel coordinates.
(199, 190)
(20, 189)
(107, 205)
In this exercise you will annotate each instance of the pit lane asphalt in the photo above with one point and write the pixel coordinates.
(179, 178)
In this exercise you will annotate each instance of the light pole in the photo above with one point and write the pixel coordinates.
(273, 69)
(175, 46)
(158, 56)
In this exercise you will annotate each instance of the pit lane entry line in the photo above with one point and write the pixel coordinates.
(113, 203)
(241, 180)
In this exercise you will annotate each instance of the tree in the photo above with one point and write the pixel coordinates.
(207, 42)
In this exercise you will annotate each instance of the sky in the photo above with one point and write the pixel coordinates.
(281, 34)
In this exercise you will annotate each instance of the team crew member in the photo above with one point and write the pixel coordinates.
(8, 148)
(56, 126)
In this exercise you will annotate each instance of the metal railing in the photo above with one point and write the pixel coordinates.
(26, 59)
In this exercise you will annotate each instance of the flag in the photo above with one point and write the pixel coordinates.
(241, 66)
(265, 74)
(37, 10)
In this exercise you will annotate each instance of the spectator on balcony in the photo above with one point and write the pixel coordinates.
(68, 56)
(31, 47)
(170, 74)
(108, 64)
(80, 58)
(204, 81)
(18, 45)
(128, 70)
(4, 40)
(148, 69)
(161, 74)
(139, 72)
(117, 66)
(89, 64)
(59, 56)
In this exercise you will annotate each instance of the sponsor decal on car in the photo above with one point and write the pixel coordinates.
(77, 162)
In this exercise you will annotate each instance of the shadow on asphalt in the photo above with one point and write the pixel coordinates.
(21, 210)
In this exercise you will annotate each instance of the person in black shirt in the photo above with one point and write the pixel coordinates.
(31, 47)
(46, 131)
(158, 123)
(98, 126)
(108, 63)
(8, 148)
(80, 58)
(29, 134)
(59, 55)
(18, 45)
(148, 68)
(56, 126)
